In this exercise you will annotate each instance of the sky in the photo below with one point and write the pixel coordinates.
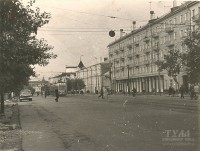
(79, 29)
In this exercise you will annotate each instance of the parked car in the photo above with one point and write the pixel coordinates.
(25, 94)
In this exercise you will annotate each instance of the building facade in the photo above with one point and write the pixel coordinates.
(60, 81)
(134, 55)
(37, 85)
(95, 76)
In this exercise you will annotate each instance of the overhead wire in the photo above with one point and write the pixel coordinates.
(81, 27)
(94, 14)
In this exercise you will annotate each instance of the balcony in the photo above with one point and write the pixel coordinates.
(169, 29)
(155, 35)
(146, 50)
(122, 68)
(129, 46)
(137, 43)
(136, 63)
(122, 58)
(146, 39)
(154, 48)
(169, 43)
(117, 60)
(116, 51)
(137, 54)
(184, 37)
(147, 62)
(196, 18)
(130, 55)
(121, 49)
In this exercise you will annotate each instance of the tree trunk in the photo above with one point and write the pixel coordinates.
(2, 102)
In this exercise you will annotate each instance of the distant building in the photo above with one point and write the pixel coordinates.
(60, 80)
(37, 85)
(133, 55)
(95, 76)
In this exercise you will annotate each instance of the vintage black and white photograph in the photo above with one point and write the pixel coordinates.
(99, 75)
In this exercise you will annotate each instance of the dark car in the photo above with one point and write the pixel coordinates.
(25, 95)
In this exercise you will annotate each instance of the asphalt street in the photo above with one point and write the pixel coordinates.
(119, 123)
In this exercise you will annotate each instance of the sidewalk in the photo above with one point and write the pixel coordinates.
(37, 134)
(10, 133)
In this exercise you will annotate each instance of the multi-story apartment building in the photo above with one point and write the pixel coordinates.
(133, 55)
(95, 76)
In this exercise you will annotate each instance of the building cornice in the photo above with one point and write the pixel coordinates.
(156, 21)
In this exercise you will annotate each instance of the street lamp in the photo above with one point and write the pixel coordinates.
(158, 54)
(128, 80)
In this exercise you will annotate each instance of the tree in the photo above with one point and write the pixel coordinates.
(80, 84)
(172, 63)
(75, 84)
(191, 58)
(20, 50)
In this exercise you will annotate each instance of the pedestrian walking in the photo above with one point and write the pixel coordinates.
(154, 91)
(101, 93)
(57, 95)
(182, 91)
(192, 93)
(170, 90)
(106, 93)
(45, 93)
(196, 91)
(173, 91)
(134, 91)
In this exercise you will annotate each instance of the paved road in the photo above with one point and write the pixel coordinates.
(86, 123)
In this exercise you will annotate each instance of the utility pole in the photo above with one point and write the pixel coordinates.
(2, 26)
(66, 85)
(128, 80)
(96, 77)
(91, 79)
(114, 75)
(87, 79)
(158, 54)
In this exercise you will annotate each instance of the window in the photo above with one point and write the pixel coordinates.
(186, 16)
(193, 28)
(164, 26)
(181, 48)
(148, 69)
(186, 31)
(175, 35)
(181, 33)
(170, 37)
(181, 18)
(170, 22)
(161, 54)
(156, 30)
(193, 12)
(174, 21)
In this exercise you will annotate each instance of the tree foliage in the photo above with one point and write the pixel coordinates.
(75, 84)
(191, 58)
(172, 64)
(20, 50)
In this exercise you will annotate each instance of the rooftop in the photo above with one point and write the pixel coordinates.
(173, 11)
